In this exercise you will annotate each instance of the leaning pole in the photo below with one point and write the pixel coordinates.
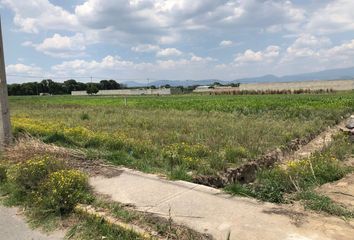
(5, 125)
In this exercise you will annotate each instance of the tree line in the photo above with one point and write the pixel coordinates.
(48, 86)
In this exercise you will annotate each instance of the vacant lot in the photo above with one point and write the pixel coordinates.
(175, 135)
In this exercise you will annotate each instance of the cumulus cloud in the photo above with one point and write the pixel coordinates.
(160, 52)
(335, 16)
(115, 65)
(145, 48)
(35, 15)
(168, 52)
(225, 43)
(61, 46)
(20, 68)
(166, 32)
(89, 67)
(249, 55)
(307, 45)
(339, 56)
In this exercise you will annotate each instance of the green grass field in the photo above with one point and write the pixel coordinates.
(174, 135)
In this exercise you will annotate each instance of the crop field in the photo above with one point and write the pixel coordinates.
(178, 135)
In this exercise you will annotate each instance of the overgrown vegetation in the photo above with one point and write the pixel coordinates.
(165, 134)
(49, 191)
(45, 184)
(41, 180)
(297, 179)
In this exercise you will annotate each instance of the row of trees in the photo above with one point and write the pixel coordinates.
(51, 87)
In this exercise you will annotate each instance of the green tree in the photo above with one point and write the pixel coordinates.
(92, 89)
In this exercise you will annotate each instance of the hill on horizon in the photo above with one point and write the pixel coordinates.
(331, 74)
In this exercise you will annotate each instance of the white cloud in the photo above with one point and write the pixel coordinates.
(20, 68)
(155, 21)
(61, 46)
(307, 45)
(343, 52)
(89, 67)
(225, 43)
(168, 52)
(336, 16)
(193, 66)
(145, 48)
(131, 24)
(35, 15)
(249, 55)
(160, 52)
(27, 44)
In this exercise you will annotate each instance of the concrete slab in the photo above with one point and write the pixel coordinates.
(14, 227)
(211, 211)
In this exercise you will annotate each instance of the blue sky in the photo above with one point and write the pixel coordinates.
(174, 39)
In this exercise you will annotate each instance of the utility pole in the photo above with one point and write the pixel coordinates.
(5, 125)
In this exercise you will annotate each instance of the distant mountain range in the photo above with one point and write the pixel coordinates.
(333, 74)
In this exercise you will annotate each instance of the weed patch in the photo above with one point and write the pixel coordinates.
(232, 130)
(275, 184)
(321, 203)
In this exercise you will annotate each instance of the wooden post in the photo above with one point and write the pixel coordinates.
(5, 125)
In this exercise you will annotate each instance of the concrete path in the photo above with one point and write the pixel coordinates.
(14, 227)
(210, 211)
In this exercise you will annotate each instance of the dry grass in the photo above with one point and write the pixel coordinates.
(27, 147)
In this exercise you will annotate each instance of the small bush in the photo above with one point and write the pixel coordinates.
(84, 116)
(25, 178)
(63, 190)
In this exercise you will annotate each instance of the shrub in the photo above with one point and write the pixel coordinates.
(84, 116)
(25, 178)
(62, 190)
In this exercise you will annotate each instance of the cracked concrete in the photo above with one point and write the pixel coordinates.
(209, 210)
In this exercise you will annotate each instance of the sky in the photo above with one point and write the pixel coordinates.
(174, 39)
